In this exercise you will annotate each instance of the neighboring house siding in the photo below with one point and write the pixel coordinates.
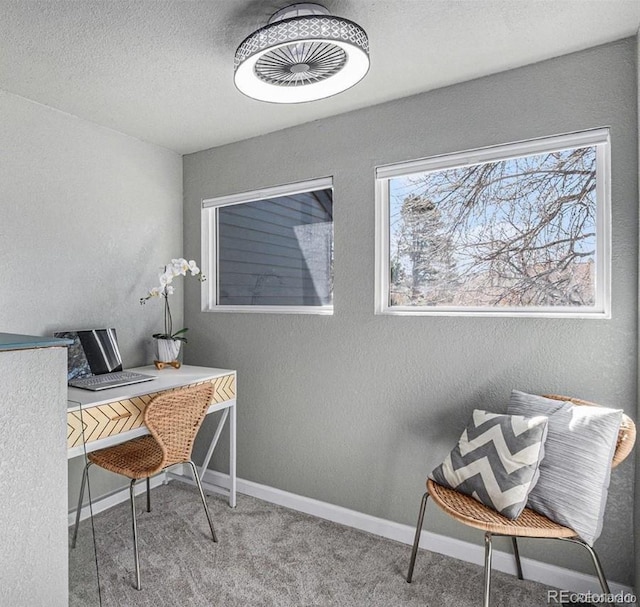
(276, 252)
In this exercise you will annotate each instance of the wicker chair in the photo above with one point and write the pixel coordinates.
(173, 419)
(529, 524)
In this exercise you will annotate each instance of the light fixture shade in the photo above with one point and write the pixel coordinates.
(305, 57)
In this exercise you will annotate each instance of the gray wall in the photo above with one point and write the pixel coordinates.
(88, 216)
(355, 409)
(33, 478)
(637, 451)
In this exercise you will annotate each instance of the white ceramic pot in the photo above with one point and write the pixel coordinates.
(167, 350)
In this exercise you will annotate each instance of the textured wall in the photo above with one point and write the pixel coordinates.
(33, 472)
(355, 409)
(636, 519)
(88, 216)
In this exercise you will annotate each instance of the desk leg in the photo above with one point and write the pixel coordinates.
(232, 457)
(214, 442)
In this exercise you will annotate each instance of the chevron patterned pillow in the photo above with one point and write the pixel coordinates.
(496, 460)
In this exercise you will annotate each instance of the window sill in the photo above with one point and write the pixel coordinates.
(318, 310)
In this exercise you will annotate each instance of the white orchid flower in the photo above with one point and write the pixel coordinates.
(193, 268)
(180, 266)
(177, 267)
(166, 278)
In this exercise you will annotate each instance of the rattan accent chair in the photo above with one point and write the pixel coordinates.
(173, 419)
(529, 524)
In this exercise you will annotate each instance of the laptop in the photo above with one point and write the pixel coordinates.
(94, 361)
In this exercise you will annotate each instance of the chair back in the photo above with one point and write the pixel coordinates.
(626, 434)
(173, 418)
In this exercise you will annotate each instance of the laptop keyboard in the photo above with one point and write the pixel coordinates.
(107, 379)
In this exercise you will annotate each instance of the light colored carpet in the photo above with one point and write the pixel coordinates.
(268, 556)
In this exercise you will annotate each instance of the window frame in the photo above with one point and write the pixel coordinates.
(210, 241)
(598, 138)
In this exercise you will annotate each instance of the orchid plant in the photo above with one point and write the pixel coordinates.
(177, 267)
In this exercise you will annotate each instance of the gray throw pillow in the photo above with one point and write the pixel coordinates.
(496, 460)
(574, 476)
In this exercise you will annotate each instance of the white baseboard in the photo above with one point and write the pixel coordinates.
(551, 575)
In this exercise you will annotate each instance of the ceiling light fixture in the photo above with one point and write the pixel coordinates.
(302, 54)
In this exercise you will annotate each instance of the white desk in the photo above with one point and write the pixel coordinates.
(96, 420)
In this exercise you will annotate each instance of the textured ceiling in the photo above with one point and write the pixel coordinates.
(162, 70)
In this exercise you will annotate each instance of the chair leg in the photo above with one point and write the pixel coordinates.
(596, 562)
(487, 568)
(85, 474)
(516, 553)
(194, 470)
(148, 494)
(416, 540)
(598, 567)
(135, 532)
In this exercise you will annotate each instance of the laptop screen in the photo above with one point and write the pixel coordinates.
(92, 352)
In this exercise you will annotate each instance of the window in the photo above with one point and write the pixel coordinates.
(517, 229)
(270, 250)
